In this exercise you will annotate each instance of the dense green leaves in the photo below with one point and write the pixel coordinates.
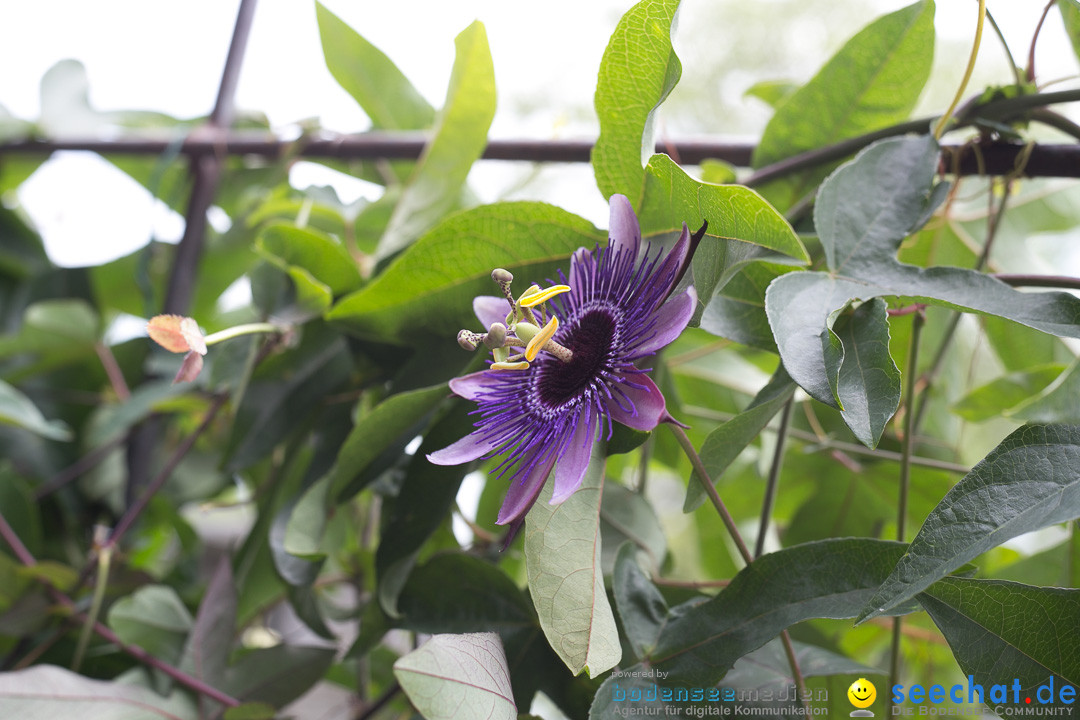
(562, 554)
(638, 70)
(861, 225)
(1031, 480)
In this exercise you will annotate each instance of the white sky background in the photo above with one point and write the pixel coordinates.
(168, 57)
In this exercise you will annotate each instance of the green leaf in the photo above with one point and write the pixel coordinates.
(642, 609)
(566, 580)
(737, 310)
(430, 288)
(323, 258)
(206, 655)
(1070, 13)
(18, 410)
(1056, 403)
(826, 579)
(638, 71)
(50, 692)
(283, 391)
(1029, 481)
(767, 668)
(460, 137)
(276, 675)
(725, 443)
(979, 619)
(873, 81)
(452, 676)
(864, 210)
(998, 396)
(20, 508)
(251, 711)
(628, 516)
(372, 79)
(458, 593)
(421, 506)
(868, 380)
(743, 228)
(154, 618)
(390, 425)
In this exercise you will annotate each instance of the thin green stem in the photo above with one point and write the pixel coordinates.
(706, 483)
(845, 447)
(1005, 46)
(729, 523)
(939, 130)
(237, 331)
(774, 478)
(907, 450)
(26, 558)
(102, 584)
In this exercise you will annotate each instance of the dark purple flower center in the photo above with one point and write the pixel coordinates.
(591, 340)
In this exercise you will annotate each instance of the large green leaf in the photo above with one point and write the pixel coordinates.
(460, 137)
(45, 691)
(284, 390)
(154, 618)
(873, 81)
(826, 579)
(456, 676)
(373, 80)
(1057, 403)
(639, 69)
(276, 675)
(566, 580)
(429, 289)
(323, 258)
(868, 381)
(18, 410)
(999, 396)
(864, 210)
(1029, 481)
(387, 427)
(743, 228)
(981, 620)
(642, 609)
(725, 443)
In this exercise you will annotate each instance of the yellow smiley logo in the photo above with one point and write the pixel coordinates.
(862, 693)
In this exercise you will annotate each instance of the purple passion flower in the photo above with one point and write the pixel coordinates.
(576, 368)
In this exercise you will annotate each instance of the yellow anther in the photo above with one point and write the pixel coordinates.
(541, 338)
(509, 366)
(532, 298)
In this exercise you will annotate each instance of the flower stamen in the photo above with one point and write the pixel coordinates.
(541, 338)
